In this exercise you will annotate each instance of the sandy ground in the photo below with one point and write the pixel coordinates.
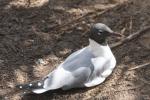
(37, 35)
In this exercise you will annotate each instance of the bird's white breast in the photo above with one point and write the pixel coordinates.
(100, 50)
(104, 63)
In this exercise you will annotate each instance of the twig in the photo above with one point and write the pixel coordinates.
(123, 30)
(131, 88)
(131, 24)
(130, 37)
(139, 66)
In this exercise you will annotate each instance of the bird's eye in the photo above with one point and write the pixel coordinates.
(100, 32)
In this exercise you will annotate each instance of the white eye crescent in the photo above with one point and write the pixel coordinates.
(100, 32)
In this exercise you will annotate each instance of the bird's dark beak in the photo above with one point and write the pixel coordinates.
(116, 34)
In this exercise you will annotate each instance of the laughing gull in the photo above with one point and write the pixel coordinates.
(87, 67)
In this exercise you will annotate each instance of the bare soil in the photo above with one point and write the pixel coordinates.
(37, 35)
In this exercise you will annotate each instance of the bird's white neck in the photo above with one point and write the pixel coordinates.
(99, 50)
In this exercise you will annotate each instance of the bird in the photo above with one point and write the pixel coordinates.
(87, 67)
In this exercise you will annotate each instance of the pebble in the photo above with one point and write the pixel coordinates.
(79, 28)
(40, 61)
(89, 25)
(83, 22)
(127, 58)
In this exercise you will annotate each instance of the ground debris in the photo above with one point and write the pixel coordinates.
(37, 35)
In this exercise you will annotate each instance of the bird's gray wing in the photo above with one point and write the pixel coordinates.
(73, 72)
(99, 67)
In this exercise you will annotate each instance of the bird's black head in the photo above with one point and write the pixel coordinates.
(99, 33)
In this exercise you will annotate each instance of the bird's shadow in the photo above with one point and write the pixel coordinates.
(52, 94)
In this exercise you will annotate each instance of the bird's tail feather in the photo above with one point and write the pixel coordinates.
(40, 86)
(38, 91)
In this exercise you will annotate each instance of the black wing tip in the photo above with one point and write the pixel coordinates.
(30, 86)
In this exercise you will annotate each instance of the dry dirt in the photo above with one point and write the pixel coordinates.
(37, 35)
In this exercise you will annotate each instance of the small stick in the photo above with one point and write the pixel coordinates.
(132, 88)
(139, 66)
(131, 24)
(130, 37)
